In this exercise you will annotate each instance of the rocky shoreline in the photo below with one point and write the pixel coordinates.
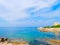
(6, 41)
(49, 29)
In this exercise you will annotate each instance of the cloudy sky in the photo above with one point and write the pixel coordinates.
(29, 13)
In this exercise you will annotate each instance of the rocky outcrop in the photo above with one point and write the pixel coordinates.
(49, 29)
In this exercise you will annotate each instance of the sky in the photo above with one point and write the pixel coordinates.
(29, 13)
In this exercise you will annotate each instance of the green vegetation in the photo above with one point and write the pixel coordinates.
(57, 26)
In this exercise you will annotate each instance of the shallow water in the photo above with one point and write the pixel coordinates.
(26, 33)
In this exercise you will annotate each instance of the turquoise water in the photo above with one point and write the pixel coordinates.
(26, 33)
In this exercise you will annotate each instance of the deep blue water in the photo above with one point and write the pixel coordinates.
(27, 33)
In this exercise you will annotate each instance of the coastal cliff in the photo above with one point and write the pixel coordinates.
(54, 28)
(50, 29)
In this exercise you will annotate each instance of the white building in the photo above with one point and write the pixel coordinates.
(56, 23)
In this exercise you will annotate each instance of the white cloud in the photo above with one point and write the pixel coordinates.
(50, 14)
(17, 9)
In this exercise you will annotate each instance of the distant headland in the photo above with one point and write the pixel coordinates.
(54, 28)
(55, 25)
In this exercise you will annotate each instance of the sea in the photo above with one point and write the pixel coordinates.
(26, 33)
